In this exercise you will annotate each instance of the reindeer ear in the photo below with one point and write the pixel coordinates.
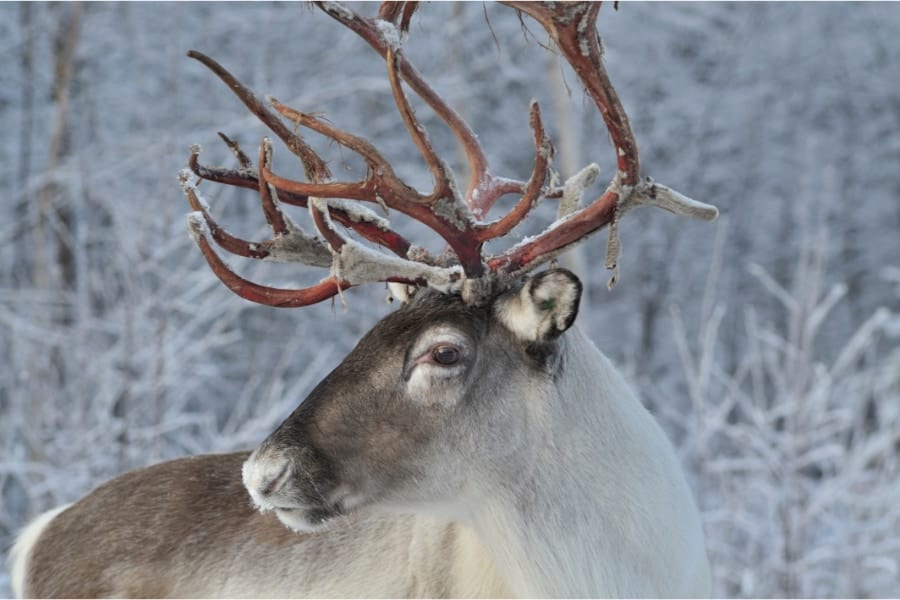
(543, 308)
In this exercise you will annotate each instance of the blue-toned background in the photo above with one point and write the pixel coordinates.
(765, 343)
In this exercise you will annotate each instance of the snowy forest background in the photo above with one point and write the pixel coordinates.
(766, 343)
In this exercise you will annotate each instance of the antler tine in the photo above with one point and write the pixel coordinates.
(376, 162)
(368, 225)
(573, 27)
(315, 167)
(318, 209)
(442, 211)
(274, 216)
(484, 188)
(224, 239)
(444, 184)
(532, 193)
(398, 11)
(242, 158)
(202, 226)
(574, 30)
(261, 294)
(375, 36)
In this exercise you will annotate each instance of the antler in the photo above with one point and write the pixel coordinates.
(457, 217)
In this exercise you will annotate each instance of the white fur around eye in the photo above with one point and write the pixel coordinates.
(430, 382)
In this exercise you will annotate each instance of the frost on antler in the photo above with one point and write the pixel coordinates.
(457, 216)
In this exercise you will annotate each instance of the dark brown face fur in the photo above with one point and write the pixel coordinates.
(359, 429)
(395, 425)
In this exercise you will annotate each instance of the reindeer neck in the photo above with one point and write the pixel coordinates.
(561, 528)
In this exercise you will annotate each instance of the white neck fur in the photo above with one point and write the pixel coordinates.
(605, 511)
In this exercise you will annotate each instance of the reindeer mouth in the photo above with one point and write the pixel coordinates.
(308, 519)
(288, 488)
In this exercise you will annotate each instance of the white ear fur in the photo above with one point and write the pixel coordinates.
(543, 308)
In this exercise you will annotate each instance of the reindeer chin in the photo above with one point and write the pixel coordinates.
(308, 520)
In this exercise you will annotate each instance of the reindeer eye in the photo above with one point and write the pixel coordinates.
(445, 354)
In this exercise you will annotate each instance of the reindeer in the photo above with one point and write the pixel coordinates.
(474, 442)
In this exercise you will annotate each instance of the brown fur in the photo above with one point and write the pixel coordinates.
(185, 528)
(128, 522)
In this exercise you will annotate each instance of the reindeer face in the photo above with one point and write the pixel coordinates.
(430, 403)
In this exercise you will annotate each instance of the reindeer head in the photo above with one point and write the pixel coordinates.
(430, 406)
(455, 367)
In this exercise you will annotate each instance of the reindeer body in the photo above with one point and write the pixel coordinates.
(528, 465)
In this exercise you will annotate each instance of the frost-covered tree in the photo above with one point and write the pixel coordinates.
(134, 353)
(796, 451)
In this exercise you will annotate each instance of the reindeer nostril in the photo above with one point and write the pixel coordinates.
(275, 483)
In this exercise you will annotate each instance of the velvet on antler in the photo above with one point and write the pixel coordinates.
(457, 216)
